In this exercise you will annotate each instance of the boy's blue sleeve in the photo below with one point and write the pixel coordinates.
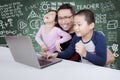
(101, 49)
(69, 51)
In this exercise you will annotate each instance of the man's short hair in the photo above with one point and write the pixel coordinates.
(66, 6)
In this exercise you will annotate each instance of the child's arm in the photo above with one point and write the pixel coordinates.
(38, 36)
(64, 37)
(100, 49)
(68, 52)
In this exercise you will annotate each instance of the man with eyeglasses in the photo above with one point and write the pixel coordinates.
(65, 20)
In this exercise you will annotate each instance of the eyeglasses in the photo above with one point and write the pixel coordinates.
(64, 18)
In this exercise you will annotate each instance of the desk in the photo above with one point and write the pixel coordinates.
(65, 70)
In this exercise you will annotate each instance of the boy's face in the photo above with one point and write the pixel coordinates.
(81, 27)
(65, 19)
(49, 17)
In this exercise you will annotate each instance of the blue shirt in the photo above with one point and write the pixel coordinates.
(96, 49)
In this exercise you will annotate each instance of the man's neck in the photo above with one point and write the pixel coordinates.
(71, 30)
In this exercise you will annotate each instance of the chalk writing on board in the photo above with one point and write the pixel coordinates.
(112, 36)
(6, 23)
(11, 10)
(107, 6)
(93, 6)
(114, 15)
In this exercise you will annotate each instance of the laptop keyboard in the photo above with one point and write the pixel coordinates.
(43, 62)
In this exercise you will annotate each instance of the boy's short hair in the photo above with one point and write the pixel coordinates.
(66, 6)
(89, 15)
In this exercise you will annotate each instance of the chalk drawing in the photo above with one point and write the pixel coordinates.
(6, 24)
(112, 36)
(31, 7)
(115, 49)
(35, 23)
(59, 3)
(25, 31)
(100, 18)
(53, 6)
(72, 3)
(10, 21)
(32, 15)
(22, 24)
(32, 35)
(112, 24)
(44, 6)
(8, 32)
(1, 24)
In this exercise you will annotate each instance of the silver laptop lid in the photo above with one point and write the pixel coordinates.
(22, 50)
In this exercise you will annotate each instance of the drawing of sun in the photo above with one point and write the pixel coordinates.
(44, 6)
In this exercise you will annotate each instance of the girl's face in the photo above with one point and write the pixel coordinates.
(49, 17)
(81, 27)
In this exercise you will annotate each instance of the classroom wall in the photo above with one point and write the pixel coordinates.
(24, 17)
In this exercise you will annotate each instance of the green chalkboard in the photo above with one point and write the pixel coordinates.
(24, 17)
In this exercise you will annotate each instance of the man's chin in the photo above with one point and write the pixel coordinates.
(65, 29)
(78, 35)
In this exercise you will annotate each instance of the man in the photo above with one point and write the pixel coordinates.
(65, 20)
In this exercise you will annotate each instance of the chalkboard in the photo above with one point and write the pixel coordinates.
(24, 17)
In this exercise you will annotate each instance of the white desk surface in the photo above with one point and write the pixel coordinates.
(65, 70)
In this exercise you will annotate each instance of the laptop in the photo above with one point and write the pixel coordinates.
(23, 51)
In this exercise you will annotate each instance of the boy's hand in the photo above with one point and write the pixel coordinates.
(80, 49)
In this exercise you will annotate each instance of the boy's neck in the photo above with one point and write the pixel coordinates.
(87, 37)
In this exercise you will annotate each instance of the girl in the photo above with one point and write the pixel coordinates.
(49, 36)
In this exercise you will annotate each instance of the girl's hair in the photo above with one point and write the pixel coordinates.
(53, 11)
(89, 15)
